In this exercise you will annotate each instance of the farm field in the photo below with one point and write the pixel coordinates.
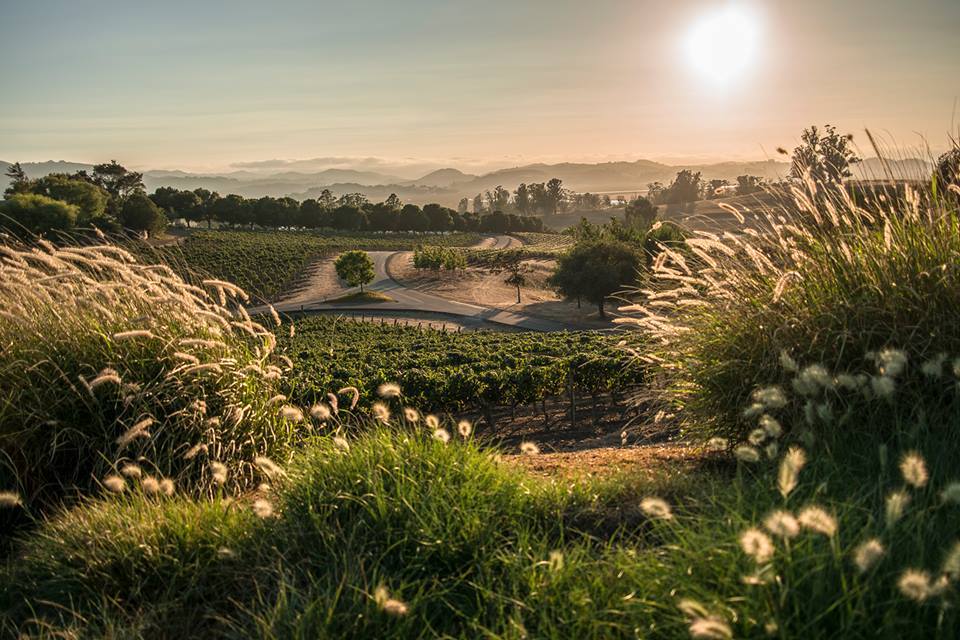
(265, 264)
(452, 372)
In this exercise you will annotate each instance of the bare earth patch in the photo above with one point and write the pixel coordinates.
(318, 282)
(653, 460)
(481, 287)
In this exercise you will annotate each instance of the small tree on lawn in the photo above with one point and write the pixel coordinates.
(596, 269)
(355, 267)
(513, 265)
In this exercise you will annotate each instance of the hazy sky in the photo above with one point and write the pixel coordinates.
(477, 83)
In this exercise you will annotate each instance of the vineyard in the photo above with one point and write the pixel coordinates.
(265, 263)
(452, 371)
(545, 242)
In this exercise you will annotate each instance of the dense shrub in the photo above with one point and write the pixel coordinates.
(821, 280)
(28, 213)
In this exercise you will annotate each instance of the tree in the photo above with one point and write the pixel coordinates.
(948, 169)
(355, 268)
(684, 188)
(826, 157)
(36, 214)
(117, 180)
(439, 218)
(554, 194)
(233, 210)
(500, 199)
(382, 216)
(91, 200)
(176, 203)
(326, 200)
(139, 213)
(412, 219)
(203, 210)
(749, 184)
(393, 202)
(312, 215)
(655, 192)
(478, 203)
(596, 269)
(521, 199)
(714, 188)
(539, 200)
(347, 217)
(463, 206)
(19, 182)
(516, 271)
(640, 213)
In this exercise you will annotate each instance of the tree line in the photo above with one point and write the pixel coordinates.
(544, 198)
(113, 198)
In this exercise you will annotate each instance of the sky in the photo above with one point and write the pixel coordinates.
(214, 85)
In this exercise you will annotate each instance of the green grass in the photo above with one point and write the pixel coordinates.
(265, 264)
(473, 548)
(363, 297)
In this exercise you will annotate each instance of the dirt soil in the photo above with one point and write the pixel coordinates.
(650, 460)
(318, 282)
(484, 288)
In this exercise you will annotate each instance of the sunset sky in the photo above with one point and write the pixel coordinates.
(477, 85)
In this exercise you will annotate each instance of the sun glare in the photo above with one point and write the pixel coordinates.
(722, 44)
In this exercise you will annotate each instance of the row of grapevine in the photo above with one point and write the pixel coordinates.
(452, 371)
(265, 263)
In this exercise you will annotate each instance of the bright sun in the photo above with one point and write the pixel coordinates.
(722, 44)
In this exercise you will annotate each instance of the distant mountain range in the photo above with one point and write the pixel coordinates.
(447, 186)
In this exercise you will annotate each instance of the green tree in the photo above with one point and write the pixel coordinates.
(825, 157)
(684, 188)
(596, 269)
(19, 182)
(438, 218)
(640, 213)
(91, 200)
(521, 199)
(947, 171)
(139, 213)
(382, 217)
(36, 214)
(348, 217)
(554, 194)
(355, 268)
(412, 218)
(117, 179)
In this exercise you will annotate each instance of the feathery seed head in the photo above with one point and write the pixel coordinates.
(746, 453)
(130, 470)
(218, 473)
(914, 470)
(263, 508)
(9, 499)
(756, 544)
(915, 585)
(381, 412)
(320, 411)
(291, 413)
(116, 484)
(442, 435)
(464, 428)
(867, 554)
(789, 471)
(782, 524)
(411, 414)
(529, 448)
(388, 390)
(818, 520)
(656, 508)
(896, 504)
